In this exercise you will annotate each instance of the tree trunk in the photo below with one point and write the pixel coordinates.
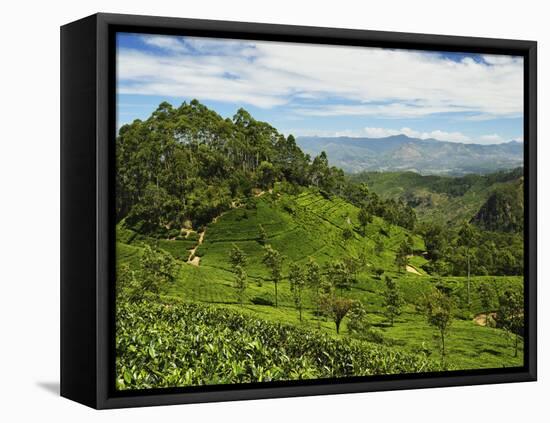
(276, 304)
(442, 345)
(318, 310)
(468, 254)
(337, 325)
(516, 346)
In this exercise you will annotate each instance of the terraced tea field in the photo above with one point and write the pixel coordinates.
(311, 225)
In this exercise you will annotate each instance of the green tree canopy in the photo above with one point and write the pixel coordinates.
(439, 309)
(297, 279)
(274, 262)
(393, 300)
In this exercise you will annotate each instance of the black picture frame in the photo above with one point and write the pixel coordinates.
(87, 224)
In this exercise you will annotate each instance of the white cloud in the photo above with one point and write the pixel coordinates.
(373, 132)
(301, 132)
(495, 59)
(347, 80)
(491, 139)
(435, 134)
(380, 132)
(394, 110)
(173, 44)
(205, 78)
(446, 136)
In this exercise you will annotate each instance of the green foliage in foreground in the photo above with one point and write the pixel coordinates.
(179, 344)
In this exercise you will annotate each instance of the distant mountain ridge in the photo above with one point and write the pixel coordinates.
(424, 156)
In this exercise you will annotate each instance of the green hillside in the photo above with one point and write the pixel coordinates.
(441, 199)
(226, 222)
(504, 209)
(304, 226)
(310, 225)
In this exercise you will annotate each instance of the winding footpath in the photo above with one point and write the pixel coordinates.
(193, 259)
(411, 269)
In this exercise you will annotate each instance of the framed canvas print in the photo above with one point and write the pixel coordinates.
(254, 211)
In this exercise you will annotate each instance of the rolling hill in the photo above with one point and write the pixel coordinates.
(227, 223)
(452, 200)
(311, 225)
(402, 153)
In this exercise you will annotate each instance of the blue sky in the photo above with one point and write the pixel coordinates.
(326, 90)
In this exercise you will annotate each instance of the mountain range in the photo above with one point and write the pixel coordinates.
(424, 156)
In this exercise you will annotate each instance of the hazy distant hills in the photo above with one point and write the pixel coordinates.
(402, 153)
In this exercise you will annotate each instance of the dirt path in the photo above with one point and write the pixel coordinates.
(411, 269)
(481, 320)
(260, 193)
(195, 260)
(217, 217)
(187, 232)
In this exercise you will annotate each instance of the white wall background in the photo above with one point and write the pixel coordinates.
(29, 238)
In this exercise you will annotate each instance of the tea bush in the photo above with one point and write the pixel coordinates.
(180, 344)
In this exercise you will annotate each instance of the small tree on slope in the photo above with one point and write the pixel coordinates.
(274, 262)
(314, 281)
(364, 218)
(439, 309)
(392, 300)
(238, 260)
(297, 280)
(511, 315)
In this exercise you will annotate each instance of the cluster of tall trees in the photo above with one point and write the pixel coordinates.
(439, 307)
(468, 250)
(186, 164)
(393, 211)
(404, 251)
